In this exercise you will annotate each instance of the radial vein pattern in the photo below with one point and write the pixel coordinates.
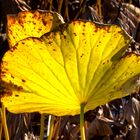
(81, 63)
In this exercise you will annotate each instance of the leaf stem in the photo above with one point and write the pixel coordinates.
(42, 126)
(50, 7)
(66, 15)
(99, 8)
(51, 128)
(82, 128)
(4, 122)
(60, 6)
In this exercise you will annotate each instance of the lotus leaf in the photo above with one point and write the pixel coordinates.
(31, 24)
(83, 63)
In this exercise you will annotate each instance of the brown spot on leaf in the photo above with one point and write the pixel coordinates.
(84, 25)
(82, 55)
(13, 48)
(12, 76)
(21, 22)
(96, 29)
(120, 32)
(23, 80)
(39, 29)
(10, 19)
(49, 42)
(106, 29)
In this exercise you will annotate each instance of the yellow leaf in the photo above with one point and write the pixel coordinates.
(31, 24)
(80, 64)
